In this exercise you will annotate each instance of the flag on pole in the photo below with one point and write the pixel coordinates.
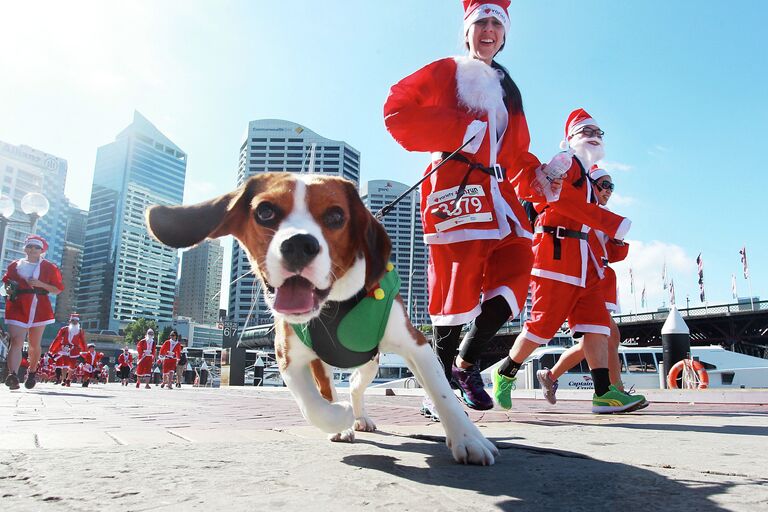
(642, 297)
(672, 292)
(631, 282)
(700, 263)
(743, 253)
(664, 275)
(733, 286)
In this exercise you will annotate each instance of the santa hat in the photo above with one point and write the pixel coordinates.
(478, 9)
(37, 241)
(596, 173)
(91, 345)
(577, 119)
(74, 317)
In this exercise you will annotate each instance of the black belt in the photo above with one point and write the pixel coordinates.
(559, 233)
(495, 170)
(32, 290)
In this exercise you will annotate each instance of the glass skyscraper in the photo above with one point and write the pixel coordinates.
(275, 145)
(409, 253)
(126, 274)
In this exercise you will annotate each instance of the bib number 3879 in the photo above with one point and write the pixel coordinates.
(472, 207)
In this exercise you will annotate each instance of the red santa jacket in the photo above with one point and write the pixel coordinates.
(125, 360)
(561, 248)
(145, 349)
(432, 110)
(608, 250)
(91, 360)
(66, 345)
(171, 349)
(31, 307)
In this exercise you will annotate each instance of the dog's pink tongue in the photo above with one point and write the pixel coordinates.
(295, 296)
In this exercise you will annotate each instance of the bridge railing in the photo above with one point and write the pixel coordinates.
(721, 309)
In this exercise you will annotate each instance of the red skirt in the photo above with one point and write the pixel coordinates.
(144, 368)
(169, 365)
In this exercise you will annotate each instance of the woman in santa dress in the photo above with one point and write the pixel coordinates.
(477, 232)
(28, 282)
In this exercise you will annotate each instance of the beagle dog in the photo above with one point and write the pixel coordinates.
(316, 247)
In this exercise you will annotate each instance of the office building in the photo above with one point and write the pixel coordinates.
(126, 273)
(271, 145)
(409, 253)
(200, 282)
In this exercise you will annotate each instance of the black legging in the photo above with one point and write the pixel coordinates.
(493, 314)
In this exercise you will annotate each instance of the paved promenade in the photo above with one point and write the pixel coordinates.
(116, 448)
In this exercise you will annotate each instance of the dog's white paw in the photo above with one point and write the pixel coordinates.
(347, 436)
(364, 424)
(333, 418)
(471, 447)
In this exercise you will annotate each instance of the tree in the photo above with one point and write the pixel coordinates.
(138, 328)
(166, 334)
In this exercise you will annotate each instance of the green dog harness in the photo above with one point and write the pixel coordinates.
(347, 334)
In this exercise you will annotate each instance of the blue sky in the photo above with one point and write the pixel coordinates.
(679, 88)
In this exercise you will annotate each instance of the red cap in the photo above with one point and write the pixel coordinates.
(36, 240)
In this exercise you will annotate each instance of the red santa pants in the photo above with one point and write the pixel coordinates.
(555, 301)
(460, 272)
(609, 291)
(169, 365)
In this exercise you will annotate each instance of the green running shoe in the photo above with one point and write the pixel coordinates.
(616, 401)
(502, 389)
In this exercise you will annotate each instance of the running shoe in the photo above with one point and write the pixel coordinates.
(616, 401)
(31, 380)
(472, 388)
(428, 409)
(548, 385)
(138, 384)
(502, 389)
(12, 381)
(645, 403)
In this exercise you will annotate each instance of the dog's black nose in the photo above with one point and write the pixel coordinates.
(298, 251)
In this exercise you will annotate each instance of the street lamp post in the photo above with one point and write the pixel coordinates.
(33, 204)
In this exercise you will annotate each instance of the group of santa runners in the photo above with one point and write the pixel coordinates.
(171, 357)
(498, 223)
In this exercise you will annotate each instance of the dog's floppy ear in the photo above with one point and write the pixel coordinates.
(373, 240)
(184, 226)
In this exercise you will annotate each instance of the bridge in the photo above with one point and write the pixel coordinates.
(741, 327)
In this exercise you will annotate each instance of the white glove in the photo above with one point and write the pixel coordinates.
(477, 130)
(543, 185)
(559, 165)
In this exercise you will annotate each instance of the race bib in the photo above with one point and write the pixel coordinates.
(472, 207)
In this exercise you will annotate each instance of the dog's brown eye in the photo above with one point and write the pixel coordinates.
(333, 218)
(267, 214)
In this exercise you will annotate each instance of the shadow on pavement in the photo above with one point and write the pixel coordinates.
(529, 477)
(58, 393)
(742, 430)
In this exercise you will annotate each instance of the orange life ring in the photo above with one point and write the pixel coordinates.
(701, 372)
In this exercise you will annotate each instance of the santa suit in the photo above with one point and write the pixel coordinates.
(125, 363)
(146, 357)
(31, 307)
(66, 347)
(481, 242)
(566, 272)
(91, 363)
(609, 251)
(171, 352)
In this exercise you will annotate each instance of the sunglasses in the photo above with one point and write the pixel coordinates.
(33, 247)
(606, 185)
(589, 132)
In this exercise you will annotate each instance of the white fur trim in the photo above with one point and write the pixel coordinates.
(532, 337)
(508, 295)
(459, 319)
(478, 85)
(584, 122)
(487, 11)
(623, 229)
(593, 329)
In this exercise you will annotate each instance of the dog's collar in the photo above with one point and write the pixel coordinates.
(347, 333)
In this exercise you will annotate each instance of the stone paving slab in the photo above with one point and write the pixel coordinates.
(250, 449)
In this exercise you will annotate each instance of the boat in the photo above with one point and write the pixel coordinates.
(640, 368)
